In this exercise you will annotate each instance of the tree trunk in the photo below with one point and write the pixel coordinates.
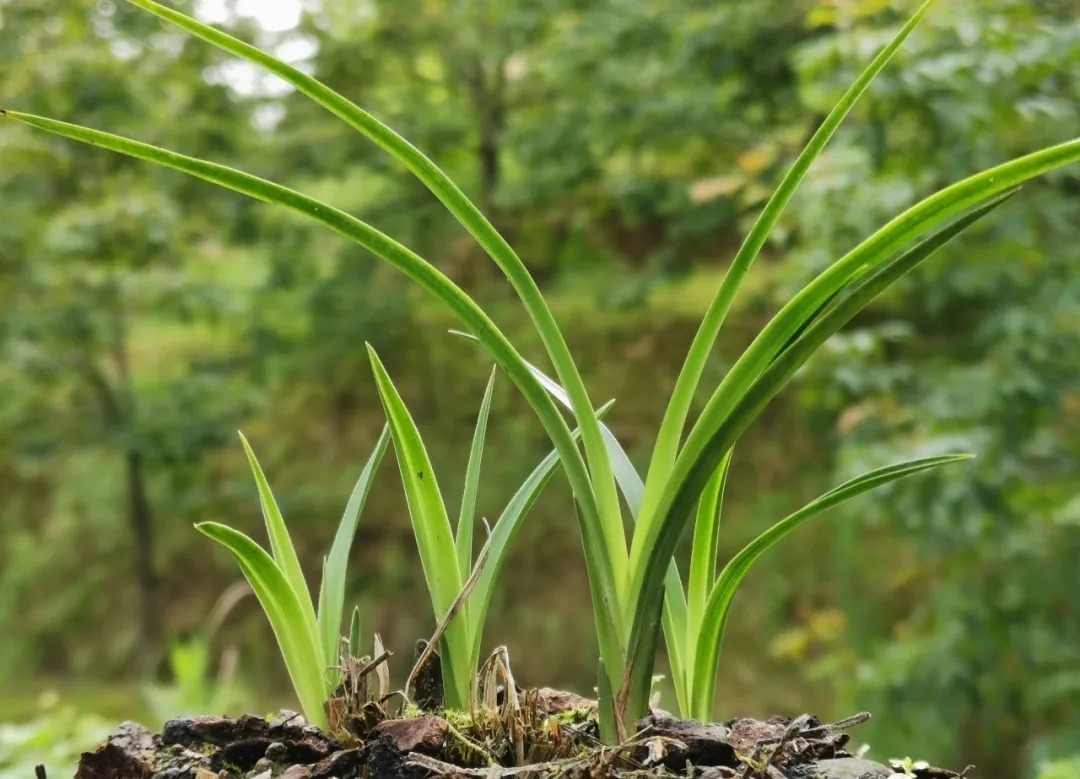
(139, 518)
(487, 88)
(125, 414)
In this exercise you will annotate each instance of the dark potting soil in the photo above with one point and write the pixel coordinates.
(558, 740)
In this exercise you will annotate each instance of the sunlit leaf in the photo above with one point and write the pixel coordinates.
(294, 627)
(332, 604)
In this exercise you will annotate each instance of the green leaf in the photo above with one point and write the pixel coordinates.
(603, 485)
(675, 619)
(293, 626)
(699, 457)
(707, 654)
(280, 544)
(354, 633)
(671, 428)
(676, 628)
(627, 478)
(332, 604)
(603, 584)
(434, 538)
(333, 675)
(506, 528)
(467, 517)
(704, 549)
(714, 434)
(502, 535)
(985, 191)
(379, 244)
(827, 321)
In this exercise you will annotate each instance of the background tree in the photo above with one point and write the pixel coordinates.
(982, 638)
(95, 253)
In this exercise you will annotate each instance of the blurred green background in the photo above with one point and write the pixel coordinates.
(624, 147)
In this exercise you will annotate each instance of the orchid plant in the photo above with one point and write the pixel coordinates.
(633, 577)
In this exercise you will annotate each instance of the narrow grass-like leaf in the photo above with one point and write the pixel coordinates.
(293, 627)
(979, 190)
(663, 462)
(625, 474)
(603, 584)
(434, 537)
(676, 628)
(712, 632)
(467, 516)
(354, 634)
(831, 319)
(504, 531)
(826, 321)
(704, 549)
(333, 675)
(382, 246)
(675, 619)
(502, 534)
(280, 544)
(671, 428)
(332, 603)
(697, 460)
(982, 189)
(474, 221)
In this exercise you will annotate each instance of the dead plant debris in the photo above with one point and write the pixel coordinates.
(533, 734)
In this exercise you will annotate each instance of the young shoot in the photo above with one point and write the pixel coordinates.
(459, 586)
(309, 640)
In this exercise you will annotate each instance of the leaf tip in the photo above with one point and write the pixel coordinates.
(247, 445)
(463, 334)
(376, 363)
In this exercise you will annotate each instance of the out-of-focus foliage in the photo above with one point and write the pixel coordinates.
(1059, 769)
(201, 675)
(198, 685)
(621, 146)
(984, 357)
(115, 321)
(56, 736)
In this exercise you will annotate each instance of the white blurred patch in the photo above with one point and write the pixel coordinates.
(272, 15)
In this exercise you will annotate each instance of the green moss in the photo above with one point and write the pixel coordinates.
(572, 716)
(232, 768)
(461, 749)
(458, 718)
(411, 711)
